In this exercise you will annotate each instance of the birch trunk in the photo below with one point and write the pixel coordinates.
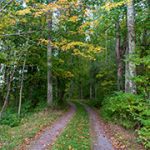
(130, 86)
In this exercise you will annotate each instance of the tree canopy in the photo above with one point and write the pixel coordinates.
(55, 50)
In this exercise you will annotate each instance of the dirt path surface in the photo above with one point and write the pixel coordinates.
(50, 135)
(99, 140)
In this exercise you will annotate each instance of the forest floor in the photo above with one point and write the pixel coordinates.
(110, 136)
(12, 137)
(80, 128)
(49, 135)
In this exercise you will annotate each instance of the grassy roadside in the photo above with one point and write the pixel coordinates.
(11, 138)
(76, 135)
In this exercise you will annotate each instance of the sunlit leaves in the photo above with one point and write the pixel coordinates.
(110, 5)
(73, 18)
(24, 12)
(7, 21)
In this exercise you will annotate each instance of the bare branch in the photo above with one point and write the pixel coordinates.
(6, 5)
(17, 34)
(1, 2)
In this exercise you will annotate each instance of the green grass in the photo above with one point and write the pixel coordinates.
(11, 138)
(76, 135)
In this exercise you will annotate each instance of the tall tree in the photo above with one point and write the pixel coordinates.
(49, 63)
(21, 87)
(130, 85)
(119, 57)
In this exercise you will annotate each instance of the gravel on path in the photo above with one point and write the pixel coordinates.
(50, 135)
(99, 139)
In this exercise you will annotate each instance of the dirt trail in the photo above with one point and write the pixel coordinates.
(100, 141)
(50, 135)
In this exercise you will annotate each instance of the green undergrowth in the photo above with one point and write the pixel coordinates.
(93, 102)
(130, 111)
(76, 135)
(29, 125)
(11, 118)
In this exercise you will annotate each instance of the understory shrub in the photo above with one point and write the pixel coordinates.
(11, 120)
(94, 103)
(11, 117)
(131, 111)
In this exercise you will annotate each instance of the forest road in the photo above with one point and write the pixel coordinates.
(49, 136)
(99, 140)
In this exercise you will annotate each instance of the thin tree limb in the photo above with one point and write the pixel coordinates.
(6, 5)
(17, 34)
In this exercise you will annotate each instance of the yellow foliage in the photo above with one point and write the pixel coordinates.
(24, 12)
(43, 41)
(73, 18)
(68, 74)
(62, 1)
(12, 21)
(78, 48)
(6, 22)
(23, 20)
(84, 26)
(61, 61)
(43, 9)
(64, 73)
(38, 13)
(96, 23)
(110, 5)
(52, 6)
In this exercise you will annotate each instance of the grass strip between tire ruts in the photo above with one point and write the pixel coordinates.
(76, 135)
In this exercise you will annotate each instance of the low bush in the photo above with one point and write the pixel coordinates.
(94, 103)
(131, 111)
(11, 120)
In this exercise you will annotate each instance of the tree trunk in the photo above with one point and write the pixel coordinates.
(8, 91)
(106, 46)
(24, 4)
(49, 63)
(91, 91)
(95, 91)
(130, 86)
(71, 89)
(57, 90)
(80, 90)
(119, 58)
(21, 88)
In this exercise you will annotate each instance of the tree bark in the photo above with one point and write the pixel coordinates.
(21, 88)
(130, 85)
(2, 9)
(119, 58)
(95, 91)
(8, 91)
(71, 89)
(91, 91)
(49, 63)
(81, 90)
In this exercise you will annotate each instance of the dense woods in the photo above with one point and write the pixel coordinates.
(54, 51)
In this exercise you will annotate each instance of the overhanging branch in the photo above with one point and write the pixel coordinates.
(6, 5)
